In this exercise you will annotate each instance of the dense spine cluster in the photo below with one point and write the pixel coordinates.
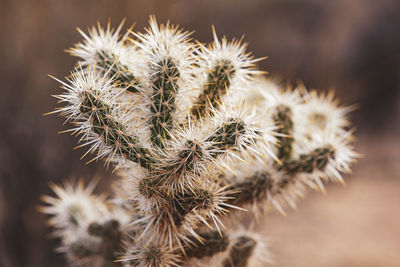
(196, 133)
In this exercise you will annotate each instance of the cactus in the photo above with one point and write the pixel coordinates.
(197, 135)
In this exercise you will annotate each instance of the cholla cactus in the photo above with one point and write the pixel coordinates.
(197, 135)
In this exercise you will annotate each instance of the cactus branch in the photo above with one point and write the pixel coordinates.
(207, 244)
(123, 76)
(283, 119)
(218, 82)
(252, 189)
(112, 132)
(307, 163)
(164, 84)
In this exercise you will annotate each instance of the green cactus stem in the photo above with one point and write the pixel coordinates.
(227, 136)
(218, 83)
(252, 189)
(121, 73)
(112, 132)
(207, 244)
(283, 119)
(307, 163)
(164, 84)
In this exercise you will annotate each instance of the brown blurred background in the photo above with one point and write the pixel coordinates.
(352, 46)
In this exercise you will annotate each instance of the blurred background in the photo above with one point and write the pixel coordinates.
(352, 46)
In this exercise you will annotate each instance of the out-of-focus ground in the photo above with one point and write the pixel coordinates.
(352, 46)
(356, 225)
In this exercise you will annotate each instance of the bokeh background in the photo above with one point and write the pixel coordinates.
(352, 46)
